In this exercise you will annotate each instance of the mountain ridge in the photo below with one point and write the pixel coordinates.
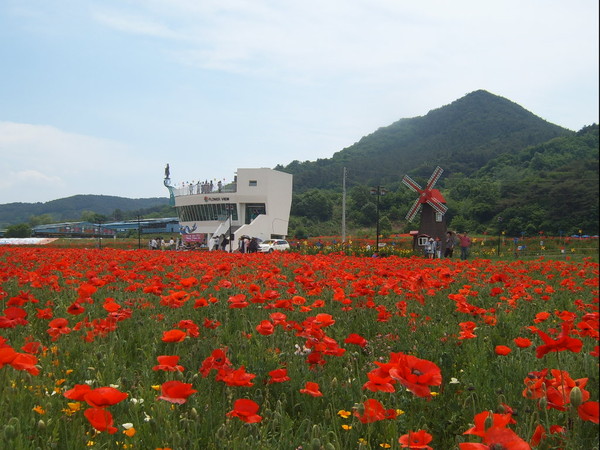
(71, 208)
(461, 136)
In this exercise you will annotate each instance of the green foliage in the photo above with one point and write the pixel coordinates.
(550, 188)
(314, 205)
(21, 230)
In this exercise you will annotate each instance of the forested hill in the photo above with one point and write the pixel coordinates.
(72, 208)
(461, 137)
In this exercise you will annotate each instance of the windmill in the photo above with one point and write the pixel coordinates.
(432, 205)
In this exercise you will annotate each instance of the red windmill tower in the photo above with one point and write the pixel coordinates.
(432, 205)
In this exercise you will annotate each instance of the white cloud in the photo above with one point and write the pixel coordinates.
(42, 163)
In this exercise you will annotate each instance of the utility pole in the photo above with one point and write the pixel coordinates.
(344, 206)
(140, 231)
(378, 191)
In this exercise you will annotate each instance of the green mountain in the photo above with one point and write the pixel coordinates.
(460, 137)
(72, 208)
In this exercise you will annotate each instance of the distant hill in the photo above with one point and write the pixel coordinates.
(71, 208)
(461, 137)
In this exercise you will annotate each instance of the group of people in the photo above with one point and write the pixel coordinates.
(158, 243)
(247, 244)
(200, 187)
(433, 247)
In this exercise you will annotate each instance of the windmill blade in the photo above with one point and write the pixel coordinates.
(412, 184)
(414, 209)
(438, 206)
(437, 173)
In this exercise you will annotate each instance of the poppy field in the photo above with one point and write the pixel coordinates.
(140, 349)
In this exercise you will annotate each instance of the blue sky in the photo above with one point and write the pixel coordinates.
(97, 96)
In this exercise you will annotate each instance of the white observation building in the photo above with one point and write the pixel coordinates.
(257, 204)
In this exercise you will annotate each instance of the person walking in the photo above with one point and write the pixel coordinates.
(449, 245)
(253, 246)
(430, 248)
(465, 244)
(437, 247)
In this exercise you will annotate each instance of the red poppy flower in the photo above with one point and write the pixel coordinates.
(191, 328)
(238, 301)
(498, 437)
(379, 383)
(562, 343)
(245, 410)
(7, 354)
(265, 328)
(75, 308)
(176, 392)
(238, 377)
(86, 291)
(416, 440)
(45, 313)
(26, 362)
(78, 392)
(541, 317)
(312, 388)
(216, 361)
(522, 342)
(33, 347)
(174, 336)
(100, 419)
(188, 282)
(57, 327)
(589, 411)
(104, 396)
(415, 374)
(168, 363)
(357, 339)
(539, 434)
(111, 306)
(13, 316)
(211, 324)
(372, 411)
(498, 420)
(278, 376)
(323, 320)
(502, 350)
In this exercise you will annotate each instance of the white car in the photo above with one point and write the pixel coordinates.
(270, 245)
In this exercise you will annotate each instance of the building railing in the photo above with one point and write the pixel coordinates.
(204, 188)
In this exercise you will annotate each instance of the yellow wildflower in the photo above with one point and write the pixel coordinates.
(72, 408)
(343, 413)
(347, 427)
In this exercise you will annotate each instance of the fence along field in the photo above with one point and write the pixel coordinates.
(109, 348)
